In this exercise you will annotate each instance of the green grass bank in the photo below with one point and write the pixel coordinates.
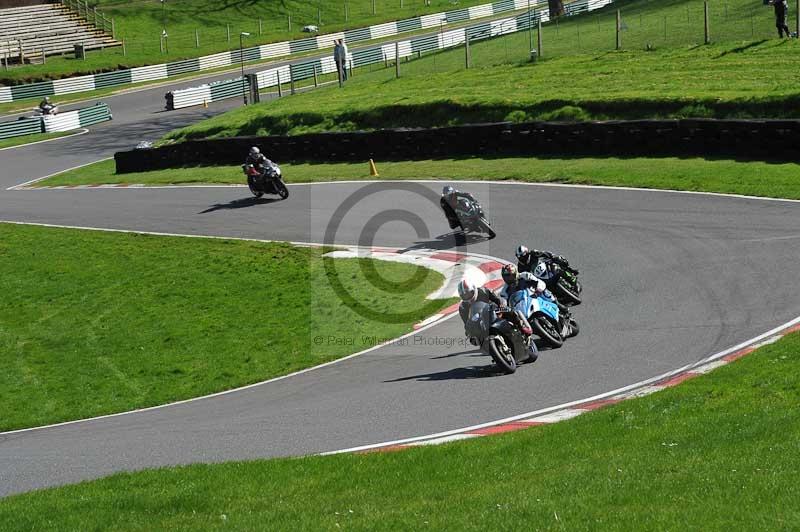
(754, 178)
(94, 323)
(718, 452)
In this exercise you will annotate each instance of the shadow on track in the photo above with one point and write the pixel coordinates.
(470, 372)
(239, 204)
(451, 240)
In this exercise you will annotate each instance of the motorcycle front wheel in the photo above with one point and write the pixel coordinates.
(567, 293)
(502, 356)
(283, 191)
(544, 329)
(485, 227)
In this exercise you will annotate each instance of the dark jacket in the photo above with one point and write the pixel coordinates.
(450, 212)
(485, 295)
(781, 10)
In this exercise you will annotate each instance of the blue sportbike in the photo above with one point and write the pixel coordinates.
(546, 319)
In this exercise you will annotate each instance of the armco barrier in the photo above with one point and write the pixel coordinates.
(67, 121)
(305, 69)
(266, 51)
(757, 139)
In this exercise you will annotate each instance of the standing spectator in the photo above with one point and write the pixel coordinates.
(340, 58)
(781, 16)
(345, 53)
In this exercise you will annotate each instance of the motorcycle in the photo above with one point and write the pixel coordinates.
(498, 337)
(472, 218)
(544, 316)
(47, 110)
(268, 182)
(562, 282)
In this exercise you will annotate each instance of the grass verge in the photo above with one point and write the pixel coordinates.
(28, 139)
(754, 178)
(717, 452)
(93, 323)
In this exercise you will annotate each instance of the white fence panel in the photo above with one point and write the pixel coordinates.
(433, 21)
(328, 65)
(326, 41)
(70, 85)
(5, 94)
(451, 38)
(190, 97)
(383, 30)
(278, 49)
(148, 73)
(62, 122)
(523, 4)
(480, 11)
(216, 60)
(500, 27)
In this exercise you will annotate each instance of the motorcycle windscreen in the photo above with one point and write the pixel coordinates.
(475, 325)
(521, 300)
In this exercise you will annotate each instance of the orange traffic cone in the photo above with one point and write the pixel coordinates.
(373, 171)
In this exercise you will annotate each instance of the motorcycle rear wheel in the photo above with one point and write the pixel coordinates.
(504, 358)
(253, 190)
(544, 329)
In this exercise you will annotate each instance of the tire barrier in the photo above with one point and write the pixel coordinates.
(772, 140)
(60, 122)
(270, 51)
(304, 70)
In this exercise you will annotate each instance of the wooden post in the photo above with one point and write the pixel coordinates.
(280, 92)
(397, 59)
(228, 27)
(319, 16)
(289, 18)
(124, 49)
(196, 38)
(467, 58)
(373, 7)
(665, 28)
(113, 29)
(161, 43)
(346, 14)
(539, 37)
(619, 28)
(316, 79)
(291, 84)
(260, 27)
(706, 35)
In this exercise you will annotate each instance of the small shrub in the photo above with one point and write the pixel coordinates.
(568, 113)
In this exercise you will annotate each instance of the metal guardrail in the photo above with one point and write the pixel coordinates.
(67, 121)
(266, 51)
(91, 15)
(303, 70)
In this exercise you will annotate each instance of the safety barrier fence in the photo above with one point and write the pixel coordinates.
(771, 140)
(304, 70)
(267, 51)
(67, 121)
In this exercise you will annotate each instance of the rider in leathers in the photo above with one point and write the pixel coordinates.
(257, 159)
(516, 280)
(527, 259)
(449, 201)
(470, 294)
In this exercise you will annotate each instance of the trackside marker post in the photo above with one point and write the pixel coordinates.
(373, 171)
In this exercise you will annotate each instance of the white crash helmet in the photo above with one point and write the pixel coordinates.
(448, 191)
(541, 271)
(255, 151)
(522, 251)
(467, 290)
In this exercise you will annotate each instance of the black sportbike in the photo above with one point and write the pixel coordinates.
(561, 281)
(471, 217)
(498, 337)
(267, 182)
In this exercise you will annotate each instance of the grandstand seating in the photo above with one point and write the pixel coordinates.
(46, 29)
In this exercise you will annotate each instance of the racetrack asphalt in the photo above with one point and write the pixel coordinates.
(669, 278)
